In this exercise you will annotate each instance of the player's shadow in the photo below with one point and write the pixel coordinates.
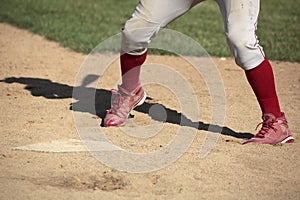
(52, 90)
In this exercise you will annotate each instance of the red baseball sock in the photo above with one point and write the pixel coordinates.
(262, 82)
(131, 68)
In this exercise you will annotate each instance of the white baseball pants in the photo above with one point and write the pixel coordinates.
(240, 23)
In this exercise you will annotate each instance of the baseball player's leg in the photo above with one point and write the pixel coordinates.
(240, 22)
(148, 18)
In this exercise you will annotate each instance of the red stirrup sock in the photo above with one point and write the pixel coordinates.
(262, 82)
(131, 68)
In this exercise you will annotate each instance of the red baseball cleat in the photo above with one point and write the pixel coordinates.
(123, 104)
(274, 130)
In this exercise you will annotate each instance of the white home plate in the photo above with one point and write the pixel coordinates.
(69, 146)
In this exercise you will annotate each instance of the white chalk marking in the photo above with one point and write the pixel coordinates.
(69, 146)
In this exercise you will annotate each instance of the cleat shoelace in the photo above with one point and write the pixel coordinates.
(266, 126)
(119, 100)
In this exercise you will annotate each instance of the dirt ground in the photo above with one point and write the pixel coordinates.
(37, 78)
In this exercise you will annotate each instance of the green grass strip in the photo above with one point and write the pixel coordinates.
(82, 24)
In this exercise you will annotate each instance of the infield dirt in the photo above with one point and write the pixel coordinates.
(37, 78)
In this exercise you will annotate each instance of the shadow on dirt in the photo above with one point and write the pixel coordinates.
(52, 90)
